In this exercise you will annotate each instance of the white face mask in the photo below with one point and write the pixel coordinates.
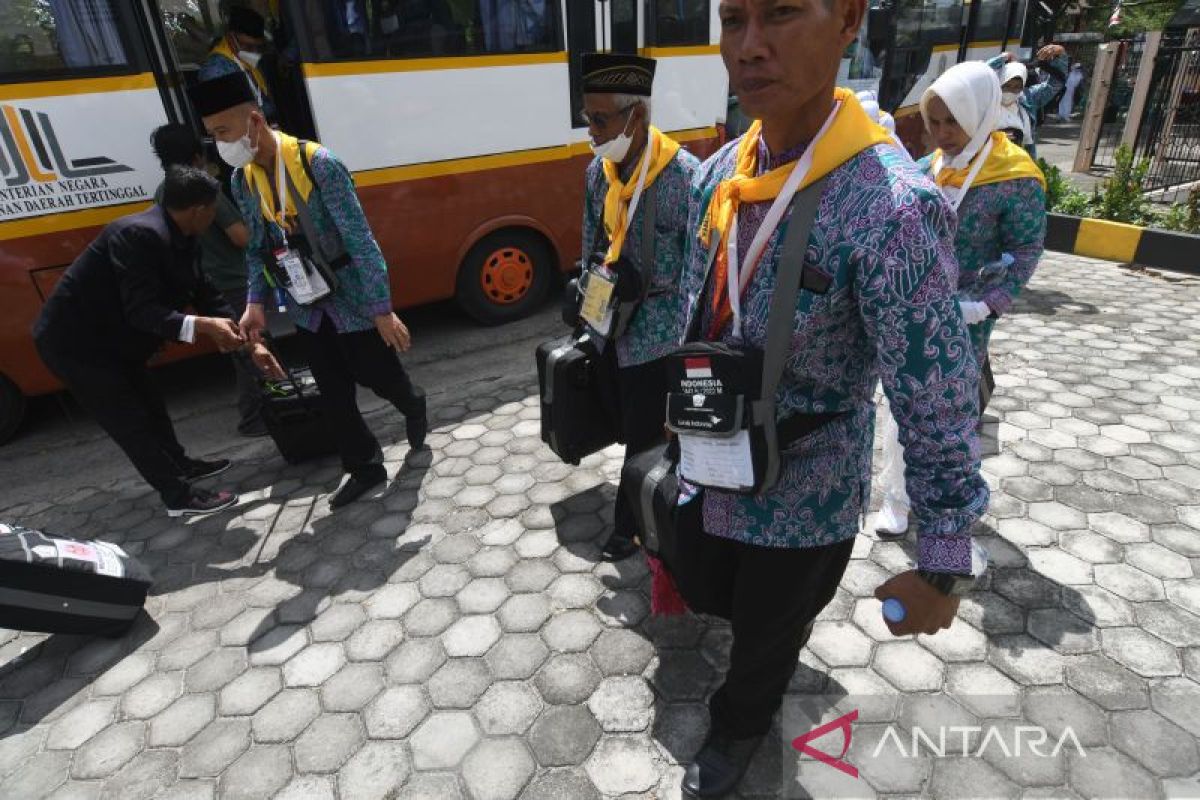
(238, 153)
(249, 57)
(1008, 98)
(616, 148)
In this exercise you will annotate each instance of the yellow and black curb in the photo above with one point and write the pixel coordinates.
(1116, 241)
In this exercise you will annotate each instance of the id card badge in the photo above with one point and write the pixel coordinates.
(722, 462)
(305, 288)
(596, 309)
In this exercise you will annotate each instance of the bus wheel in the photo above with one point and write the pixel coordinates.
(12, 408)
(505, 276)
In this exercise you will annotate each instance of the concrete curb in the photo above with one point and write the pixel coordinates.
(1116, 241)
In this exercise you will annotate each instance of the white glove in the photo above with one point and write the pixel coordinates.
(974, 312)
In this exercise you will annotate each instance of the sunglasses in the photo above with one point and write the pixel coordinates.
(601, 120)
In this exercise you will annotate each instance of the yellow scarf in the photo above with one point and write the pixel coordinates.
(261, 181)
(1006, 162)
(616, 201)
(851, 132)
(222, 48)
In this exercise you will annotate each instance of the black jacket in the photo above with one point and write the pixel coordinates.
(125, 294)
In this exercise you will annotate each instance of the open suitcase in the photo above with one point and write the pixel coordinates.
(578, 392)
(56, 584)
(291, 410)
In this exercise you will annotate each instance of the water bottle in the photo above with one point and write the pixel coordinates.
(894, 610)
(997, 267)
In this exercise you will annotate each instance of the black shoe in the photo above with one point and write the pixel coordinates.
(719, 765)
(202, 501)
(195, 469)
(253, 429)
(618, 548)
(356, 487)
(416, 426)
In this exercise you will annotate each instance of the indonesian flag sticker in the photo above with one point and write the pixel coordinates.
(697, 368)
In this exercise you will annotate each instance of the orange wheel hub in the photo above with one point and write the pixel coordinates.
(507, 276)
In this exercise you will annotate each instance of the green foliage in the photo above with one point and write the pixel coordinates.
(1184, 217)
(1137, 16)
(1061, 196)
(1121, 197)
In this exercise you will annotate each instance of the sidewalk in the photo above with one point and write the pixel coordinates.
(458, 638)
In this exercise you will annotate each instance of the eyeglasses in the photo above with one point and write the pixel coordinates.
(601, 120)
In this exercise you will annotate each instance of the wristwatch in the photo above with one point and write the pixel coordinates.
(948, 583)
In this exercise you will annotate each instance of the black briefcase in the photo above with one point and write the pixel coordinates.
(578, 389)
(291, 410)
(650, 480)
(56, 584)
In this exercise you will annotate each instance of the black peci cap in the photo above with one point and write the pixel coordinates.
(216, 95)
(247, 21)
(617, 73)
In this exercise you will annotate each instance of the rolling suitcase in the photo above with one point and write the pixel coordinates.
(577, 385)
(56, 584)
(291, 410)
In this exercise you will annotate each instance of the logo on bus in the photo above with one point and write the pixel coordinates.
(37, 177)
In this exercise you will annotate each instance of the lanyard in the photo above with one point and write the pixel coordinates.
(955, 196)
(739, 278)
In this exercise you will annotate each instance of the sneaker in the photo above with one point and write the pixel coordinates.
(719, 765)
(892, 521)
(253, 429)
(195, 469)
(202, 501)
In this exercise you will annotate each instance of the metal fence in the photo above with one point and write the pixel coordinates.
(1169, 130)
(1120, 96)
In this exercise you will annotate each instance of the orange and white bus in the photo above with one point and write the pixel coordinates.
(460, 120)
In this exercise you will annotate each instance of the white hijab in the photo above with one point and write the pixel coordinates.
(971, 91)
(870, 104)
(1014, 116)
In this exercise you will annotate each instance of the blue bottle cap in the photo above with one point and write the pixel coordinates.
(893, 610)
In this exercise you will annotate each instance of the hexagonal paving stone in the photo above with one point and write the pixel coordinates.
(260, 772)
(249, 691)
(567, 678)
(564, 735)
(1057, 708)
(459, 683)
(108, 751)
(395, 713)
(483, 595)
(571, 631)
(328, 742)
(682, 675)
(374, 640)
(575, 591)
(556, 784)
(415, 660)
(1169, 623)
(1161, 746)
(1119, 527)
(622, 764)
(498, 769)
(623, 705)
(214, 748)
(1026, 660)
(314, 665)
(277, 645)
(1107, 683)
(983, 690)
(82, 723)
(1108, 773)
(152, 695)
(1060, 567)
(1129, 582)
(352, 687)
(1063, 631)
(960, 642)
(517, 656)
(508, 707)
(443, 740)
(471, 636)
(1178, 699)
(840, 644)
(1141, 652)
(908, 666)
(531, 575)
(524, 613)
(444, 580)
(375, 772)
(282, 719)
(182, 720)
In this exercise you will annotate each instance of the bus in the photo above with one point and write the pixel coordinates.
(460, 120)
(906, 44)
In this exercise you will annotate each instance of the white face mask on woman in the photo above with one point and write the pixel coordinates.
(1008, 98)
(238, 153)
(250, 57)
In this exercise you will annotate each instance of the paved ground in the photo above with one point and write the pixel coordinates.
(457, 637)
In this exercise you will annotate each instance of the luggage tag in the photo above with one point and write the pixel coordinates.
(596, 309)
(714, 445)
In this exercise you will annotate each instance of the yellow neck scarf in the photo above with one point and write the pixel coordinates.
(616, 200)
(262, 181)
(222, 48)
(1006, 162)
(851, 132)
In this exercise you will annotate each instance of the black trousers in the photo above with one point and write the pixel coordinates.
(124, 401)
(770, 595)
(339, 363)
(249, 390)
(641, 400)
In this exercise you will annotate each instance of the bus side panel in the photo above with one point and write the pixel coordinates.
(690, 91)
(426, 225)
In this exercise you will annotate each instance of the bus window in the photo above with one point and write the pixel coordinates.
(40, 36)
(624, 26)
(358, 29)
(192, 26)
(679, 22)
(1016, 22)
(992, 23)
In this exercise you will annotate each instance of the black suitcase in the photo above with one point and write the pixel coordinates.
(578, 391)
(56, 584)
(291, 410)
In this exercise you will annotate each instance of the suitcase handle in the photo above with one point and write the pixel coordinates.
(269, 343)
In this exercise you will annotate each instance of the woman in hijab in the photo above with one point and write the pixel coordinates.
(1021, 104)
(999, 195)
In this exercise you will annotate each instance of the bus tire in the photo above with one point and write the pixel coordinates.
(505, 276)
(12, 408)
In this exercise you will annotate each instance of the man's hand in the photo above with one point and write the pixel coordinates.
(254, 322)
(395, 335)
(266, 362)
(1050, 52)
(929, 611)
(224, 332)
(1008, 58)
